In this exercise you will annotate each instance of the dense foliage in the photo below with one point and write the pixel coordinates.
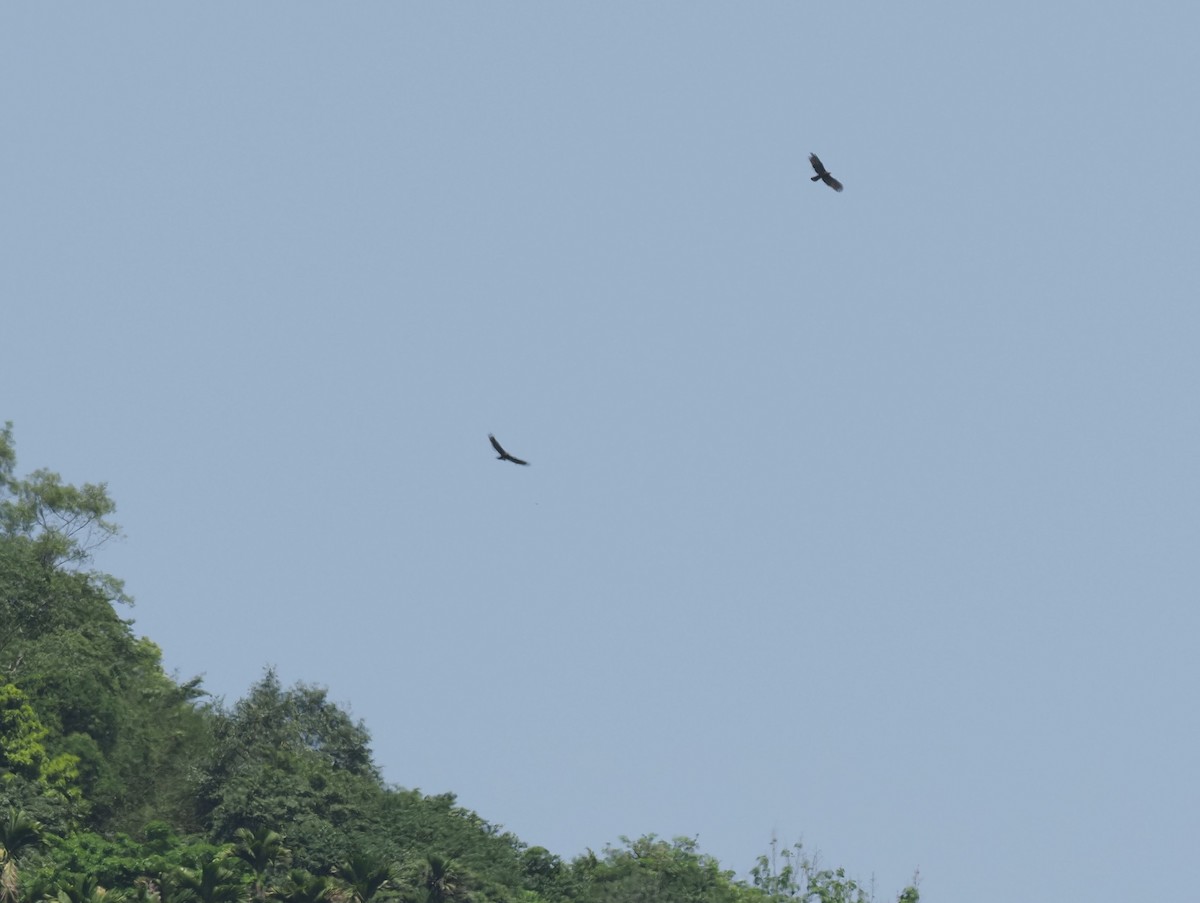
(119, 783)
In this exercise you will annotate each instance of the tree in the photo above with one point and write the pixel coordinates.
(81, 889)
(51, 529)
(118, 737)
(441, 882)
(22, 750)
(409, 825)
(789, 874)
(158, 857)
(66, 522)
(48, 532)
(130, 781)
(363, 876)
(290, 757)
(260, 850)
(544, 873)
(304, 887)
(651, 870)
(211, 882)
(18, 833)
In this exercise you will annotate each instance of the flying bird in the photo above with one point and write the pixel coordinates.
(823, 174)
(502, 455)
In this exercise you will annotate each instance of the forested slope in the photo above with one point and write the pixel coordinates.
(117, 781)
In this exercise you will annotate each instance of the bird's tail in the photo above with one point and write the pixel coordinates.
(814, 178)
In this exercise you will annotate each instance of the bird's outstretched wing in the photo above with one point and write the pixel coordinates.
(505, 456)
(831, 182)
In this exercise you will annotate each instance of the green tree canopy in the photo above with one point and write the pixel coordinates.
(109, 731)
(143, 792)
(290, 757)
(789, 875)
(652, 870)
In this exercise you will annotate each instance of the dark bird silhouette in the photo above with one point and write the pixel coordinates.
(502, 454)
(823, 174)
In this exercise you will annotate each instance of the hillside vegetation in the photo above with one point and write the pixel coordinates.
(118, 782)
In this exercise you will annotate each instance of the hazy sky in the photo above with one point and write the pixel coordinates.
(870, 518)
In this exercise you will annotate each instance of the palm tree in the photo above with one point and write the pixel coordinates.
(302, 887)
(440, 879)
(211, 883)
(363, 876)
(17, 832)
(260, 850)
(83, 889)
(171, 889)
(145, 890)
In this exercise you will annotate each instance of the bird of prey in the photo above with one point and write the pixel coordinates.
(823, 174)
(502, 455)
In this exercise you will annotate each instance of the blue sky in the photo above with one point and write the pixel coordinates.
(865, 518)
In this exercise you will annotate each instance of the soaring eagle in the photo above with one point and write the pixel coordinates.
(502, 454)
(823, 174)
